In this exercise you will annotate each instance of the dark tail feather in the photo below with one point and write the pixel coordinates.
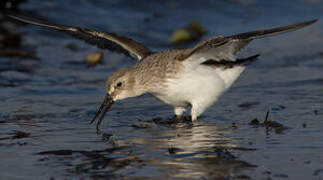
(230, 64)
(247, 61)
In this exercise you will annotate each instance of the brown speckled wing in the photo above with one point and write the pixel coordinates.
(103, 40)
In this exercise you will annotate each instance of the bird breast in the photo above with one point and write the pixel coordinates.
(202, 85)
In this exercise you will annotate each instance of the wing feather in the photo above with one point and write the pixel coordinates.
(225, 48)
(103, 40)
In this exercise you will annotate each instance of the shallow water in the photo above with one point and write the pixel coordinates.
(47, 102)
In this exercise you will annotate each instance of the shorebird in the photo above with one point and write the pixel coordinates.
(193, 77)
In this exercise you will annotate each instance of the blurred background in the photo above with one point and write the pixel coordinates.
(51, 85)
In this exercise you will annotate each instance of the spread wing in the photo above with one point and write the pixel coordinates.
(222, 49)
(103, 40)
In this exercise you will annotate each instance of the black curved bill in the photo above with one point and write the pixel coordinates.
(105, 106)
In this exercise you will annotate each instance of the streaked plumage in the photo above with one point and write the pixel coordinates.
(194, 77)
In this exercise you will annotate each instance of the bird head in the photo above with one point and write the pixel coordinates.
(120, 85)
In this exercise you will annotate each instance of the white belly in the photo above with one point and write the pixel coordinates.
(202, 86)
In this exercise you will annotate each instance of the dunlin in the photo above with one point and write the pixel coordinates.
(194, 77)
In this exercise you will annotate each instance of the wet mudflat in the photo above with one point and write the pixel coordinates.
(49, 94)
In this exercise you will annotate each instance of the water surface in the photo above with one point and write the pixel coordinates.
(48, 99)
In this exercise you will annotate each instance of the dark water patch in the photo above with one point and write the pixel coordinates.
(23, 66)
(269, 125)
(57, 152)
(76, 64)
(317, 172)
(248, 105)
(9, 40)
(10, 145)
(95, 163)
(15, 55)
(73, 47)
(278, 108)
(15, 138)
(234, 148)
(318, 112)
(16, 135)
(304, 125)
(280, 175)
(173, 121)
(224, 153)
(184, 121)
(19, 117)
(142, 125)
(106, 137)
(224, 167)
(298, 60)
(16, 118)
(19, 53)
(53, 91)
(20, 134)
(12, 5)
(173, 150)
(234, 125)
(93, 153)
(6, 83)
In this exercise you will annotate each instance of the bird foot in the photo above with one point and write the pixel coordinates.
(181, 119)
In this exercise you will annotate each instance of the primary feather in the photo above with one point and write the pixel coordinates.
(103, 40)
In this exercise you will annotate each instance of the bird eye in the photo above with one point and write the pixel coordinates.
(119, 84)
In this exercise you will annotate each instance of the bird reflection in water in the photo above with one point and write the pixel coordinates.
(195, 151)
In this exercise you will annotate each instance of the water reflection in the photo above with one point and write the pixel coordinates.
(194, 151)
(97, 163)
(178, 150)
(46, 97)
